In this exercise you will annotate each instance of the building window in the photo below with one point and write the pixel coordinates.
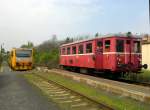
(107, 46)
(137, 47)
(74, 50)
(120, 45)
(80, 50)
(89, 48)
(68, 50)
(63, 51)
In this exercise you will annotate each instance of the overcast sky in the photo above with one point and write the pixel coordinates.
(38, 20)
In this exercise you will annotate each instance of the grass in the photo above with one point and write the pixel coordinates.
(32, 79)
(144, 76)
(116, 101)
(146, 73)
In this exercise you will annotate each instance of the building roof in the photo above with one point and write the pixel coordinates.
(146, 39)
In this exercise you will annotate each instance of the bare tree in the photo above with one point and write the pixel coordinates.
(28, 45)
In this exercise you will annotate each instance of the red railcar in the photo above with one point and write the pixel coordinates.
(114, 53)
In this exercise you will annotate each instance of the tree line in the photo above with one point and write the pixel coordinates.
(47, 53)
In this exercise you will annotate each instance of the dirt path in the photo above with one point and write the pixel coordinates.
(17, 94)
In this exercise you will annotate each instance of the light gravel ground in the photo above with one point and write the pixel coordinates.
(17, 94)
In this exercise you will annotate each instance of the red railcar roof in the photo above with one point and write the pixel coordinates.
(104, 36)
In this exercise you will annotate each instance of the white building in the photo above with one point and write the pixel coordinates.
(146, 51)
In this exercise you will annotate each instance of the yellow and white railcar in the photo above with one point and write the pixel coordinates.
(21, 59)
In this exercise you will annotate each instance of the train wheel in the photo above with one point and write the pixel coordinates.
(61, 67)
(74, 69)
(123, 74)
(132, 76)
(115, 75)
(83, 70)
(77, 69)
(91, 71)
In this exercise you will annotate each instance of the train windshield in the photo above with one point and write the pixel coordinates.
(137, 47)
(120, 45)
(23, 53)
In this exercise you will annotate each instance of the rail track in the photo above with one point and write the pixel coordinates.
(72, 100)
(145, 84)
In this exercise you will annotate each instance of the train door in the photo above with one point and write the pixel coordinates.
(137, 53)
(99, 54)
(128, 50)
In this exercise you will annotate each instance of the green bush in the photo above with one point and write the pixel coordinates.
(47, 58)
(0, 60)
(47, 53)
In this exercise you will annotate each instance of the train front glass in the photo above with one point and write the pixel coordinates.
(24, 57)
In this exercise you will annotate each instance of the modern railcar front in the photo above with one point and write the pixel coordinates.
(21, 59)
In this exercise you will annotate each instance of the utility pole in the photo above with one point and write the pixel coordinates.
(1, 53)
(1, 49)
(1, 56)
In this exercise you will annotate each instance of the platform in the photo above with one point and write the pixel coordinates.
(137, 92)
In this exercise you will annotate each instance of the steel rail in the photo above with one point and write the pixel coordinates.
(100, 104)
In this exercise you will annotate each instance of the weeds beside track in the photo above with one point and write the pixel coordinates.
(68, 98)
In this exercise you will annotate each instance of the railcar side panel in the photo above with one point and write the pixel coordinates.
(86, 61)
(116, 54)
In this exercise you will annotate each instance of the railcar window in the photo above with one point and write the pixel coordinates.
(107, 46)
(99, 44)
(68, 50)
(74, 50)
(63, 51)
(89, 48)
(128, 42)
(120, 46)
(23, 53)
(80, 50)
(137, 47)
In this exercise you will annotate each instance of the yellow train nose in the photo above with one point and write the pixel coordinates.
(23, 63)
